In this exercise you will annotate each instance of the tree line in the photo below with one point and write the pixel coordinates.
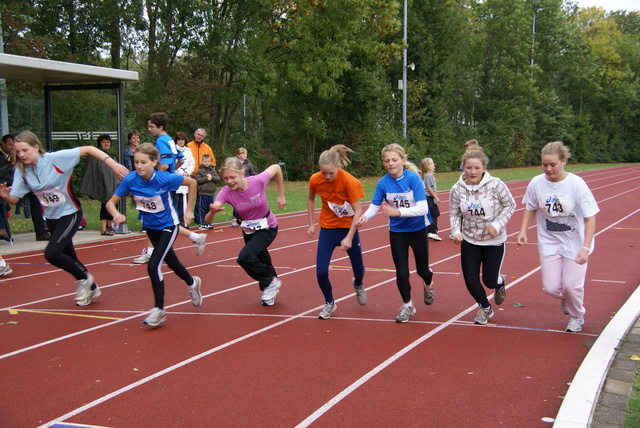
(288, 79)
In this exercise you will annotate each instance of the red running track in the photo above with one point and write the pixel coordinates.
(233, 362)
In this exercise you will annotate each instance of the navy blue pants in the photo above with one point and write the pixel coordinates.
(328, 240)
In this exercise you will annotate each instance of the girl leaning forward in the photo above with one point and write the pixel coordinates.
(400, 194)
(247, 195)
(48, 176)
(340, 193)
(481, 206)
(151, 190)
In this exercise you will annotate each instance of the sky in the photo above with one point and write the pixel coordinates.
(611, 5)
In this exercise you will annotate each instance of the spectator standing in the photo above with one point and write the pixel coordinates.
(427, 168)
(186, 169)
(99, 183)
(7, 161)
(207, 178)
(133, 137)
(199, 148)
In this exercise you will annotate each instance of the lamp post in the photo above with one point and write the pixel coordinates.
(404, 74)
(533, 37)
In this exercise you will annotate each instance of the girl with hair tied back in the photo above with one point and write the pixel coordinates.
(565, 211)
(340, 193)
(400, 194)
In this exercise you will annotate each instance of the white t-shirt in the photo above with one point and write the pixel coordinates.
(561, 207)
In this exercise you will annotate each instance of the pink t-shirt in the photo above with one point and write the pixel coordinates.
(250, 204)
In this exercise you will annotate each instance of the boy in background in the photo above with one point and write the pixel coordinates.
(207, 178)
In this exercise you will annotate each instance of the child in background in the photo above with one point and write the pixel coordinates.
(206, 177)
(151, 190)
(427, 168)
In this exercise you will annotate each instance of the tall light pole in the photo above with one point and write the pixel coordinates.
(533, 37)
(404, 75)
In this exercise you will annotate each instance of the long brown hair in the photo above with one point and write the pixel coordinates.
(31, 139)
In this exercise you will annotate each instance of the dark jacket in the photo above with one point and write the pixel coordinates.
(6, 169)
(98, 180)
(206, 186)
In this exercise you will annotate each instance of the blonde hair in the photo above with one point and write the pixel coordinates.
(472, 145)
(336, 156)
(233, 164)
(397, 148)
(31, 139)
(151, 151)
(425, 166)
(240, 151)
(475, 154)
(555, 148)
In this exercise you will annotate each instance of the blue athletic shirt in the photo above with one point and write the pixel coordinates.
(50, 180)
(402, 192)
(168, 152)
(153, 198)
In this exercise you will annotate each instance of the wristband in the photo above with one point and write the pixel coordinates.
(106, 157)
(585, 248)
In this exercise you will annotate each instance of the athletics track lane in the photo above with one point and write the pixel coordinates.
(513, 374)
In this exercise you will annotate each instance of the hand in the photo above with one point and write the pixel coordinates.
(188, 216)
(361, 221)
(311, 231)
(213, 209)
(4, 190)
(457, 238)
(583, 257)
(492, 231)
(119, 170)
(522, 238)
(345, 244)
(388, 210)
(118, 219)
(281, 201)
(438, 201)
(209, 177)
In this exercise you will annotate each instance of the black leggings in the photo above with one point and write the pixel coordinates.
(162, 241)
(60, 251)
(400, 243)
(491, 258)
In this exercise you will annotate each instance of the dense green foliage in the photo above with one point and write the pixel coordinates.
(288, 79)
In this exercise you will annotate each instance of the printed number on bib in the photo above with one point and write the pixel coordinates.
(250, 226)
(51, 197)
(344, 210)
(481, 208)
(401, 200)
(556, 206)
(152, 204)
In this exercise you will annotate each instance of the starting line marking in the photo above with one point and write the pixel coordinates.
(608, 280)
(16, 311)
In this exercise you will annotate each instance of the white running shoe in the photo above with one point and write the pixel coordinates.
(92, 295)
(144, 258)
(429, 294)
(156, 317)
(269, 294)
(199, 243)
(434, 236)
(194, 291)
(483, 316)
(361, 293)
(575, 324)
(83, 287)
(5, 270)
(327, 310)
(405, 314)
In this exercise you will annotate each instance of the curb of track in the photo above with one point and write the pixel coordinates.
(579, 405)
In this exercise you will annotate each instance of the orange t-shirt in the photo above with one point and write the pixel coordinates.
(337, 197)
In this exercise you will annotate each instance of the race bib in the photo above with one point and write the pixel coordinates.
(51, 197)
(401, 200)
(344, 210)
(250, 226)
(151, 204)
(556, 206)
(475, 209)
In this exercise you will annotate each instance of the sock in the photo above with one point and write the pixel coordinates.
(150, 251)
(2, 263)
(193, 236)
(409, 304)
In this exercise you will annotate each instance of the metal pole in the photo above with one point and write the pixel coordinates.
(404, 75)
(4, 113)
